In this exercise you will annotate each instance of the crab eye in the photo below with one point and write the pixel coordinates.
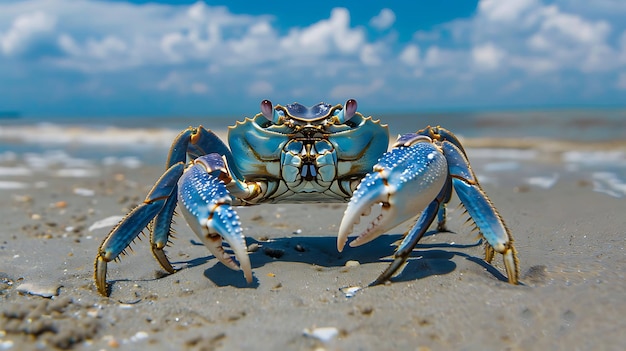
(348, 111)
(267, 109)
(350, 108)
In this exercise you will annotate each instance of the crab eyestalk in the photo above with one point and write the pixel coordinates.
(268, 111)
(348, 111)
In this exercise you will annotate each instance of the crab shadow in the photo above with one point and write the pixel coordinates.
(426, 259)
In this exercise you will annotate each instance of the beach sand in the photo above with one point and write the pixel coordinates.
(570, 241)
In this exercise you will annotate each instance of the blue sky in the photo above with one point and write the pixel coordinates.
(123, 58)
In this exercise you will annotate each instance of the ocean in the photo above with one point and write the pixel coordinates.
(522, 149)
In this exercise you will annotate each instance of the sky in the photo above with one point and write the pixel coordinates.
(104, 58)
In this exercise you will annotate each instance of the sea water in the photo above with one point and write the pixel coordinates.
(507, 148)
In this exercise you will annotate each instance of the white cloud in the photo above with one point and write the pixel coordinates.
(371, 55)
(25, 29)
(505, 11)
(324, 37)
(531, 36)
(437, 57)
(260, 89)
(384, 20)
(349, 91)
(487, 56)
(410, 55)
(182, 84)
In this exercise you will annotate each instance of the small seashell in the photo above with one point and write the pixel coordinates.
(140, 335)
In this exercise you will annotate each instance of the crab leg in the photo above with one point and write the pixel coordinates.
(481, 211)
(206, 204)
(408, 243)
(413, 236)
(129, 228)
(162, 223)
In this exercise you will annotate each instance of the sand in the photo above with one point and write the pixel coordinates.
(570, 241)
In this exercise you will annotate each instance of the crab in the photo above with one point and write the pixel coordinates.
(297, 154)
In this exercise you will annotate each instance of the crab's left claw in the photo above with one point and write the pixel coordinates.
(405, 180)
(206, 204)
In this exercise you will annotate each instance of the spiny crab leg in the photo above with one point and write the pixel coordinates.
(206, 205)
(482, 211)
(131, 226)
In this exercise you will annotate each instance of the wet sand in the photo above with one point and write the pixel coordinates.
(570, 242)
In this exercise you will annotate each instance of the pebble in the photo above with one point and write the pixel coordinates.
(273, 253)
(84, 192)
(60, 204)
(352, 263)
(39, 290)
(324, 334)
(6, 344)
(140, 335)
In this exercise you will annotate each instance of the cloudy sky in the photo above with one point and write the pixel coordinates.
(137, 57)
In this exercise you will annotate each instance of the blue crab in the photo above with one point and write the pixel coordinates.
(298, 154)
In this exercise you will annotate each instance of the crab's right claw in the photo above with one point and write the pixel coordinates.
(405, 180)
(206, 204)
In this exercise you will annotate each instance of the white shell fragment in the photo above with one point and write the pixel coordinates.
(107, 222)
(43, 290)
(6, 184)
(84, 192)
(324, 334)
(350, 291)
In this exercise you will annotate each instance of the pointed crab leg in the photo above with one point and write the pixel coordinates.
(206, 204)
(414, 235)
(482, 211)
(162, 223)
(129, 228)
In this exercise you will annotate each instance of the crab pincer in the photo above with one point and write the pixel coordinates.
(404, 181)
(206, 205)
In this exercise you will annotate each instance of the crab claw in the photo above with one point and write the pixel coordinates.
(405, 180)
(206, 205)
